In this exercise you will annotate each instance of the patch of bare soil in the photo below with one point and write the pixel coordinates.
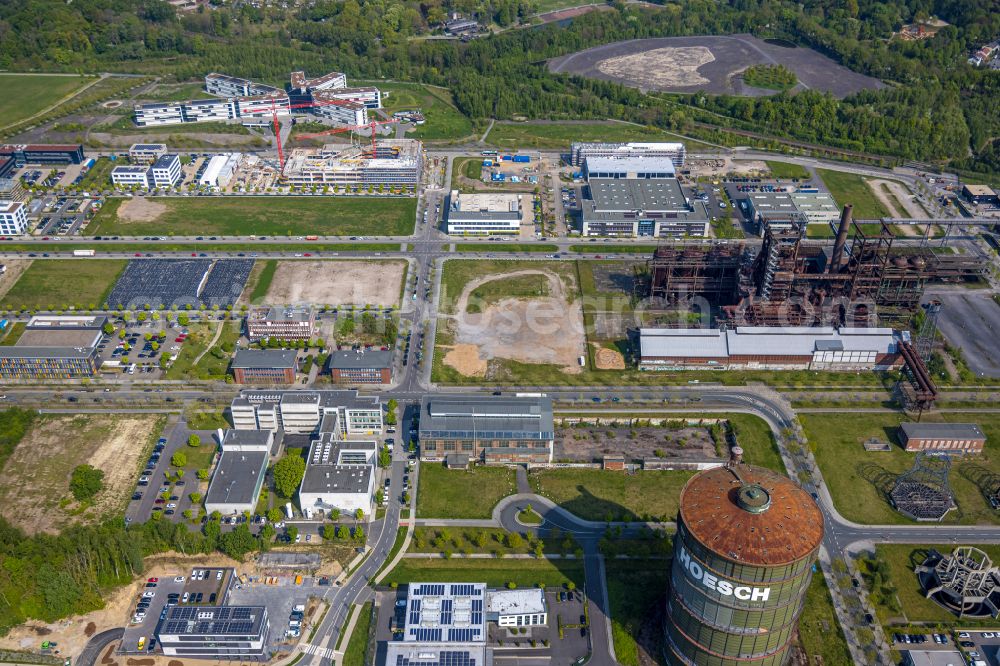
(465, 359)
(668, 66)
(43, 462)
(547, 330)
(608, 359)
(140, 209)
(14, 269)
(337, 282)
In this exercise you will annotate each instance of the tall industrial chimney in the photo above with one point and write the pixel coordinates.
(846, 217)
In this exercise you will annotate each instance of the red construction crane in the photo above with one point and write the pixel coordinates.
(304, 105)
(371, 125)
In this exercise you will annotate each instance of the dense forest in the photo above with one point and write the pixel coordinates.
(937, 108)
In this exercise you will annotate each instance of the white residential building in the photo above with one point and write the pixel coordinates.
(339, 475)
(13, 218)
(517, 608)
(125, 176)
(166, 171)
(231, 86)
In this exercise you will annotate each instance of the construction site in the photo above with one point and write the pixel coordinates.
(862, 280)
(394, 163)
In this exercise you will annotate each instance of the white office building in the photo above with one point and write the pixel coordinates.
(339, 475)
(583, 150)
(239, 475)
(146, 153)
(166, 171)
(231, 86)
(303, 412)
(517, 608)
(339, 110)
(369, 96)
(13, 218)
(219, 170)
(125, 176)
(484, 214)
(159, 113)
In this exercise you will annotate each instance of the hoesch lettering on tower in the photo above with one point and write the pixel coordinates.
(697, 573)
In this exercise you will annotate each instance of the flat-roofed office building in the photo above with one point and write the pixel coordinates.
(239, 475)
(490, 429)
(302, 412)
(339, 475)
(54, 347)
(214, 632)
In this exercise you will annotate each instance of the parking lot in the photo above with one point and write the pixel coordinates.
(152, 483)
(280, 598)
(970, 322)
(144, 626)
(180, 282)
(974, 644)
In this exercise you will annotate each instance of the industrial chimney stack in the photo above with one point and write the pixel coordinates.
(846, 217)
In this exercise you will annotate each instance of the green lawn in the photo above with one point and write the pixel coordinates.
(505, 247)
(459, 272)
(561, 135)
(198, 457)
(901, 560)
(635, 590)
(770, 77)
(787, 170)
(849, 188)
(519, 286)
(820, 635)
(178, 92)
(13, 333)
(263, 281)
(443, 120)
(206, 420)
(249, 246)
(28, 94)
(214, 364)
(99, 175)
(859, 480)
(595, 494)
(268, 216)
(356, 652)
(450, 493)
(57, 284)
(495, 572)
(483, 540)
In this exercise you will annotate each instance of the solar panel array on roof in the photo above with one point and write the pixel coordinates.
(444, 658)
(446, 606)
(462, 635)
(465, 590)
(415, 611)
(430, 590)
(424, 634)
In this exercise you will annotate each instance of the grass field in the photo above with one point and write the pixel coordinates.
(270, 216)
(636, 590)
(820, 635)
(13, 333)
(212, 365)
(859, 480)
(30, 93)
(449, 493)
(849, 188)
(787, 170)
(595, 494)
(505, 247)
(459, 272)
(263, 282)
(901, 559)
(99, 175)
(443, 120)
(560, 135)
(57, 284)
(179, 92)
(357, 648)
(481, 540)
(495, 572)
(519, 286)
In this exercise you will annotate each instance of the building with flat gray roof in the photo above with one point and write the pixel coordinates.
(658, 208)
(401, 653)
(286, 323)
(350, 366)
(629, 168)
(943, 437)
(339, 475)
(54, 347)
(302, 412)
(764, 347)
(490, 429)
(239, 475)
(785, 210)
(484, 213)
(264, 366)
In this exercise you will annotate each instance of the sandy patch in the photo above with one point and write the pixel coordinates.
(140, 209)
(668, 66)
(39, 500)
(608, 359)
(910, 207)
(337, 282)
(547, 330)
(465, 359)
(73, 632)
(14, 269)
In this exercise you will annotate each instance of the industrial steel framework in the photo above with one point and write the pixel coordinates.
(928, 330)
(966, 582)
(923, 493)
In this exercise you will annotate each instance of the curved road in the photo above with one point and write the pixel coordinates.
(92, 652)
